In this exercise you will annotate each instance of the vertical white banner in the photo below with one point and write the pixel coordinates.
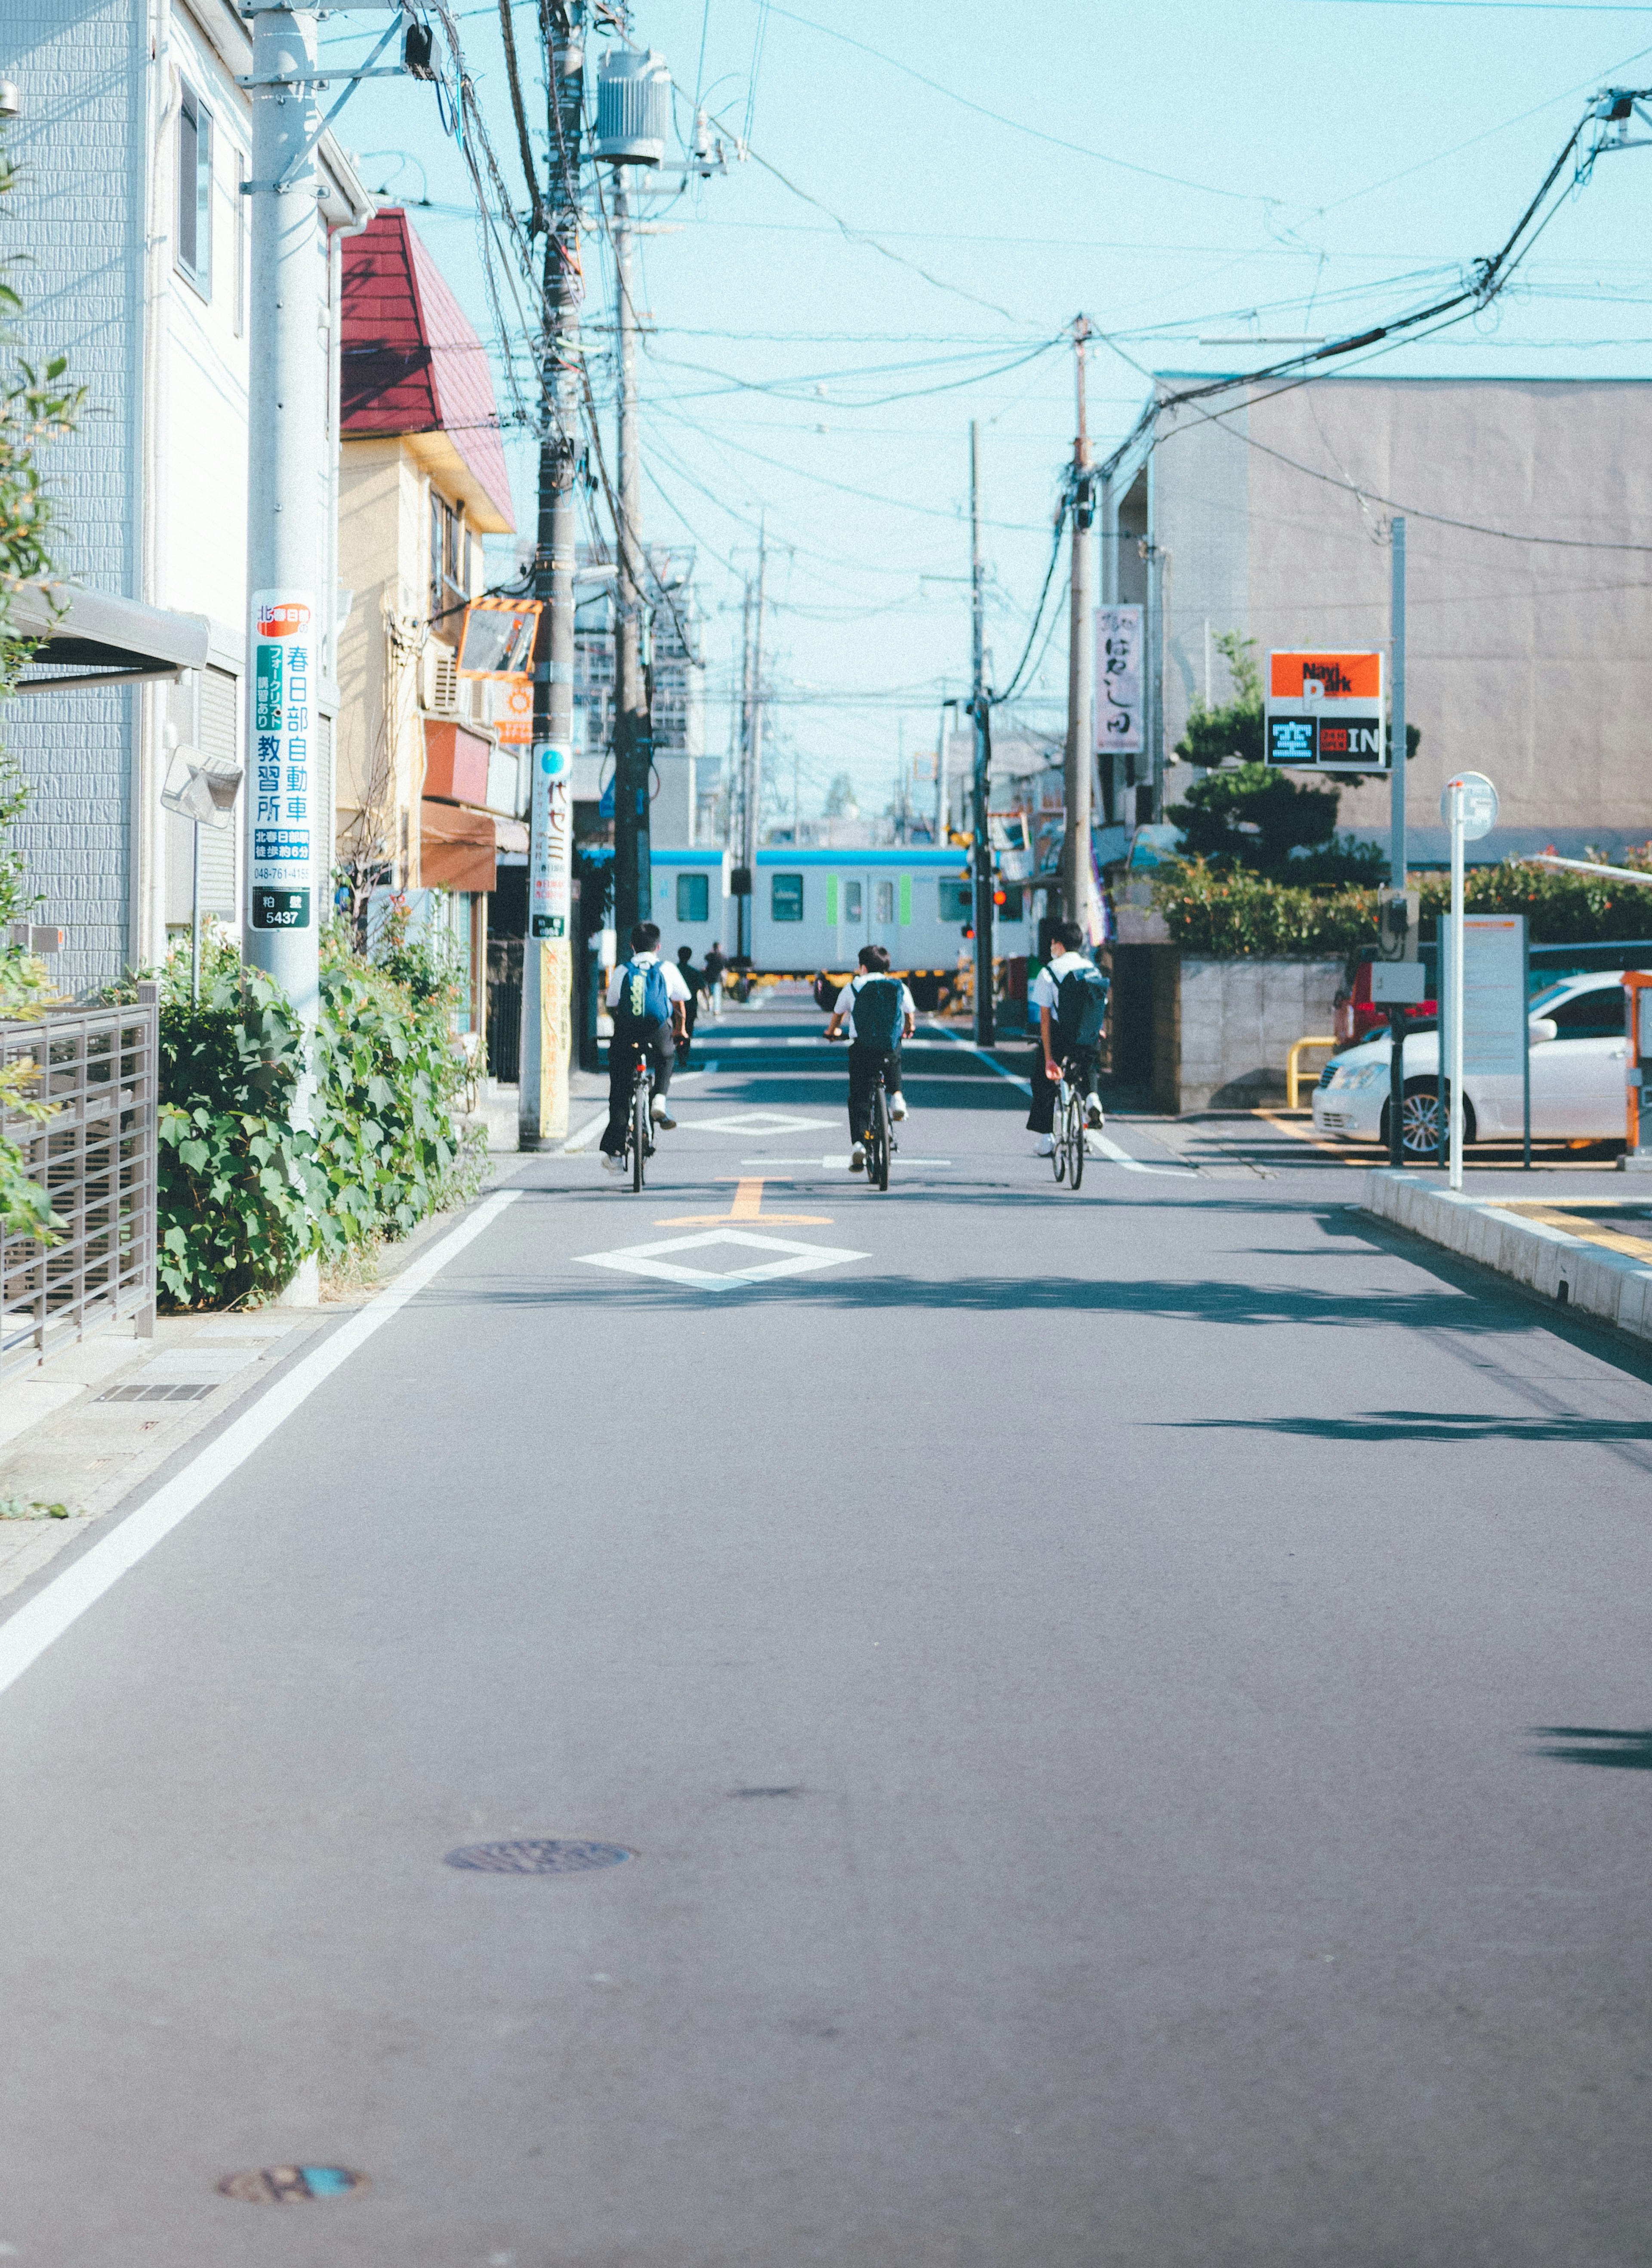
(1119, 686)
(550, 836)
(281, 877)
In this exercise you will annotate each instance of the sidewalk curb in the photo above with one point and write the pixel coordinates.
(1568, 1270)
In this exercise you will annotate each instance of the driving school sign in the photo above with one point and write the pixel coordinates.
(1325, 712)
(285, 745)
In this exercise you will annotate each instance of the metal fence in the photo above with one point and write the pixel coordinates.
(95, 1157)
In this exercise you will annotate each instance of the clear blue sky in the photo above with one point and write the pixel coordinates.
(1330, 162)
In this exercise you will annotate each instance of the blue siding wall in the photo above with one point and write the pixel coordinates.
(75, 226)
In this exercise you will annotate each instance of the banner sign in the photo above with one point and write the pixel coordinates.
(281, 879)
(1118, 699)
(550, 843)
(1325, 712)
(496, 645)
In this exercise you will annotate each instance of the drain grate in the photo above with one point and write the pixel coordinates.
(537, 1858)
(156, 1392)
(290, 2185)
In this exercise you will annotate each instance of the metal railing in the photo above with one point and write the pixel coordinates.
(95, 1158)
(1293, 1070)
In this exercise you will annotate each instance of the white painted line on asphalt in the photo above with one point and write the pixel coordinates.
(26, 1637)
(649, 1259)
(840, 1163)
(757, 1122)
(1093, 1142)
(578, 1141)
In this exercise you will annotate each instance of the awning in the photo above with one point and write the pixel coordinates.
(458, 847)
(92, 639)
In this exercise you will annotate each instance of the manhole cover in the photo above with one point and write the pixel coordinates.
(290, 2185)
(537, 1858)
(156, 1392)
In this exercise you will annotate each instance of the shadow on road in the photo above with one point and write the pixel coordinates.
(1596, 1744)
(1433, 1425)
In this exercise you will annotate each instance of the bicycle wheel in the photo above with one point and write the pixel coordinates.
(878, 1160)
(1058, 1150)
(1075, 1143)
(639, 1133)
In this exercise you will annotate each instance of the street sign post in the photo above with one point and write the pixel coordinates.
(1323, 712)
(1469, 807)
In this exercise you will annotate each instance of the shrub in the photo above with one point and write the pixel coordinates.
(244, 1194)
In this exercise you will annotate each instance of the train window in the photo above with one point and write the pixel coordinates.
(883, 902)
(956, 902)
(854, 905)
(694, 898)
(785, 897)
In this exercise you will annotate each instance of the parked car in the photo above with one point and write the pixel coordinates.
(1579, 1066)
(1358, 1015)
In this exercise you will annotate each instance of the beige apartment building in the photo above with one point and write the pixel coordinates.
(1529, 531)
(429, 778)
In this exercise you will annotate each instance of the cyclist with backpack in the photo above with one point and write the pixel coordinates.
(1070, 994)
(647, 1000)
(879, 1013)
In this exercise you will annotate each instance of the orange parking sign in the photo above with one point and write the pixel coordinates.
(1339, 676)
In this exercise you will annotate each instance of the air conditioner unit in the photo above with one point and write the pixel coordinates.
(441, 682)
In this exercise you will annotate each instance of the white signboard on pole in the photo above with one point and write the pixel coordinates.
(281, 884)
(1118, 688)
(549, 876)
(1493, 994)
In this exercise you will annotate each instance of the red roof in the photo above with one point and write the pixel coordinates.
(410, 361)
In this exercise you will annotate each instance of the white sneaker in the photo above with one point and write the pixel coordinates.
(1046, 1146)
(612, 1165)
(1094, 1115)
(856, 1160)
(897, 1106)
(662, 1115)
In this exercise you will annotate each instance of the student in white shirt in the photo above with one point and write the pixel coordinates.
(887, 1015)
(1060, 1045)
(648, 1000)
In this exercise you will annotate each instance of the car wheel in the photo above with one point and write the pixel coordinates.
(1419, 1121)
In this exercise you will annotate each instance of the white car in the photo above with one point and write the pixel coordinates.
(1579, 1070)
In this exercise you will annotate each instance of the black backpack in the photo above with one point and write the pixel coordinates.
(1081, 1005)
(879, 1011)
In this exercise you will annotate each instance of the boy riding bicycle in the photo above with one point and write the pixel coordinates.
(1070, 994)
(645, 997)
(880, 1013)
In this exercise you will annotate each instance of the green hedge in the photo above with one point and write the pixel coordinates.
(1231, 915)
(244, 1194)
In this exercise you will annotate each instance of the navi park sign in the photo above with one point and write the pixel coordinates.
(1325, 712)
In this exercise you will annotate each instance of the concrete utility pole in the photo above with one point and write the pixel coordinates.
(633, 726)
(287, 861)
(982, 860)
(1077, 888)
(751, 763)
(548, 955)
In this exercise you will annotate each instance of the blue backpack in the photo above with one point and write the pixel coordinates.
(643, 1002)
(879, 1012)
(1081, 1006)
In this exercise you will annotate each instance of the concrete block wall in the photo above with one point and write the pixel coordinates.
(1239, 1020)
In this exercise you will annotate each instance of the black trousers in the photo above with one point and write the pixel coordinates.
(863, 1078)
(1083, 1067)
(621, 1079)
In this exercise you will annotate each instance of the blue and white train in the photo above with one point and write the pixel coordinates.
(815, 910)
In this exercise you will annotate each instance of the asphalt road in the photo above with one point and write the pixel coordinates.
(1129, 1711)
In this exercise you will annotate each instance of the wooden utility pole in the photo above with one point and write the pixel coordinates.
(1077, 881)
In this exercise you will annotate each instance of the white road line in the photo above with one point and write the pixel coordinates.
(27, 1634)
(578, 1141)
(1092, 1142)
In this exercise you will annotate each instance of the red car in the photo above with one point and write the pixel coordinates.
(1358, 1016)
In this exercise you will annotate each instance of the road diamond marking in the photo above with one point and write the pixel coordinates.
(754, 1121)
(650, 1259)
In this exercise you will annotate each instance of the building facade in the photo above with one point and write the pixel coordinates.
(1529, 636)
(133, 142)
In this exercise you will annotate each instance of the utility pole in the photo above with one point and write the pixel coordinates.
(979, 709)
(286, 864)
(751, 767)
(547, 956)
(633, 726)
(1077, 888)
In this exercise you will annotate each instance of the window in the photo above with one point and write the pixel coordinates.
(1597, 1014)
(448, 537)
(957, 902)
(854, 907)
(883, 902)
(194, 190)
(785, 897)
(694, 898)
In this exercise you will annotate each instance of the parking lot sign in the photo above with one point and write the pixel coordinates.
(1324, 712)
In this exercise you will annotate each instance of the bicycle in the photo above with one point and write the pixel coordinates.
(1067, 1156)
(639, 1127)
(880, 1142)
